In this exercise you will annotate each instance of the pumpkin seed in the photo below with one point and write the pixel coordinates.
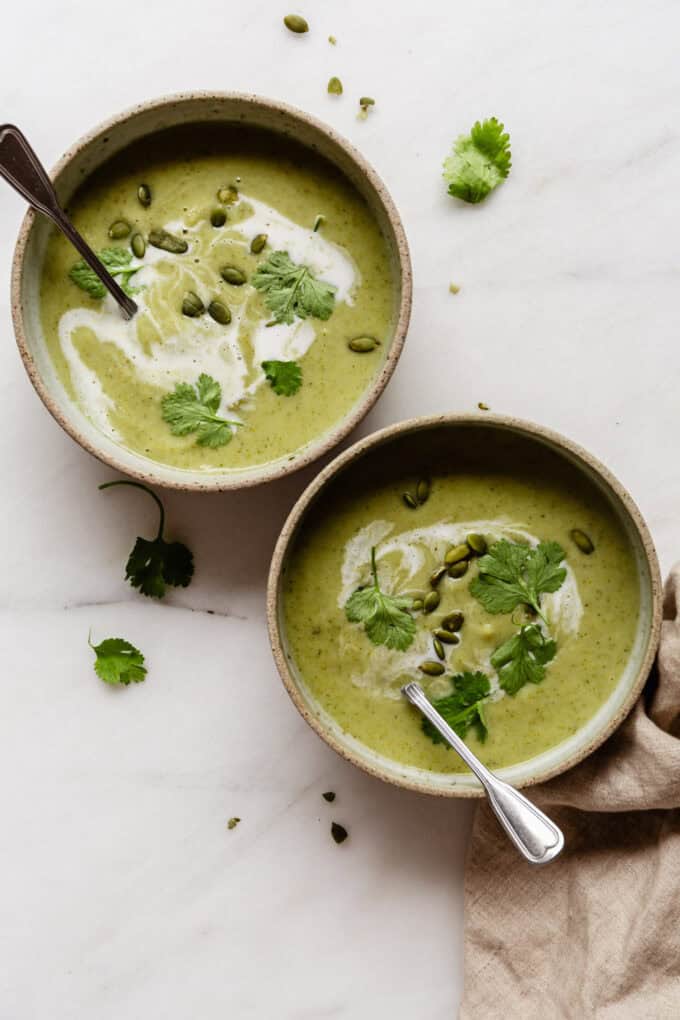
(332, 40)
(144, 195)
(431, 667)
(423, 490)
(457, 553)
(454, 621)
(119, 229)
(319, 221)
(258, 243)
(218, 217)
(219, 312)
(335, 87)
(409, 501)
(228, 195)
(477, 543)
(295, 23)
(582, 541)
(233, 276)
(438, 648)
(447, 636)
(167, 242)
(192, 305)
(457, 570)
(417, 605)
(436, 575)
(365, 102)
(138, 245)
(431, 601)
(363, 344)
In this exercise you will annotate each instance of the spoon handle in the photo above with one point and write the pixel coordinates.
(21, 168)
(536, 837)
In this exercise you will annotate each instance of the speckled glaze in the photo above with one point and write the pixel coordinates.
(109, 138)
(558, 759)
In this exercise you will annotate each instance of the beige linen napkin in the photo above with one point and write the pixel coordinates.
(597, 932)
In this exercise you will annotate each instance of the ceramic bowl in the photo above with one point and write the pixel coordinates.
(107, 140)
(420, 435)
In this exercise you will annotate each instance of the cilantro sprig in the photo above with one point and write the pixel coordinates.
(386, 618)
(292, 290)
(463, 708)
(194, 409)
(511, 575)
(285, 376)
(522, 658)
(118, 662)
(117, 261)
(479, 162)
(155, 563)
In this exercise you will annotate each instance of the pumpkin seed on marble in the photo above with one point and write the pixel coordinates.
(363, 344)
(409, 500)
(219, 312)
(423, 490)
(296, 23)
(166, 241)
(258, 243)
(477, 543)
(138, 245)
(453, 621)
(582, 541)
(431, 601)
(431, 667)
(144, 195)
(119, 230)
(457, 553)
(218, 217)
(192, 305)
(447, 636)
(230, 274)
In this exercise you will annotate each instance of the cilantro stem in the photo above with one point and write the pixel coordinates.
(144, 488)
(374, 569)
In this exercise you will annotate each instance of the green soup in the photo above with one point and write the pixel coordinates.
(119, 372)
(499, 487)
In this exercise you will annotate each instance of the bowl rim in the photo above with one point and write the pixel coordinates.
(422, 423)
(195, 481)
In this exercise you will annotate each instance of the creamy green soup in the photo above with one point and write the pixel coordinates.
(119, 372)
(500, 488)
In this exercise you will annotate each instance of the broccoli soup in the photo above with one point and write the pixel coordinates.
(265, 291)
(493, 572)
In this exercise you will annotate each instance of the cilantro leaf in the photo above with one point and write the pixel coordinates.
(284, 376)
(511, 574)
(155, 563)
(116, 260)
(462, 708)
(522, 658)
(188, 409)
(479, 162)
(118, 662)
(386, 618)
(291, 289)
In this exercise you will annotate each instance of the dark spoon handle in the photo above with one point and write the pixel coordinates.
(21, 168)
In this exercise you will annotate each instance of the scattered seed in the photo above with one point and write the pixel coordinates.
(363, 344)
(437, 575)
(447, 636)
(329, 796)
(258, 243)
(431, 667)
(228, 195)
(295, 23)
(338, 832)
(335, 87)
(119, 229)
(138, 245)
(409, 501)
(167, 242)
(454, 621)
(192, 305)
(423, 490)
(483, 407)
(332, 40)
(477, 543)
(457, 553)
(454, 288)
(218, 217)
(431, 601)
(365, 102)
(438, 647)
(582, 541)
(144, 195)
(233, 276)
(219, 312)
(233, 822)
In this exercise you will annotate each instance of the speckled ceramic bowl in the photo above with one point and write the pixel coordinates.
(102, 143)
(552, 762)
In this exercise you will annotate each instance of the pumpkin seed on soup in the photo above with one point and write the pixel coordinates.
(582, 541)
(166, 241)
(119, 230)
(363, 344)
(233, 275)
(218, 217)
(258, 243)
(144, 195)
(219, 312)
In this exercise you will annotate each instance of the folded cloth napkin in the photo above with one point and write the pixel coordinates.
(597, 932)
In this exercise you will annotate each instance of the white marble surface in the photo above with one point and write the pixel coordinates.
(123, 893)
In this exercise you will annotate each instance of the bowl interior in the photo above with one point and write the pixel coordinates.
(443, 442)
(111, 138)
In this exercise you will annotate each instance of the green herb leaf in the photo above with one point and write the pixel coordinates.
(118, 662)
(522, 658)
(462, 708)
(291, 290)
(194, 409)
(479, 162)
(155, 563)
(284, 376)
(386, 618)
(511, 574)
(116, 260)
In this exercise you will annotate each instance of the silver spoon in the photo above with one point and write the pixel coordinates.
(532, 832)
(21, 168)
